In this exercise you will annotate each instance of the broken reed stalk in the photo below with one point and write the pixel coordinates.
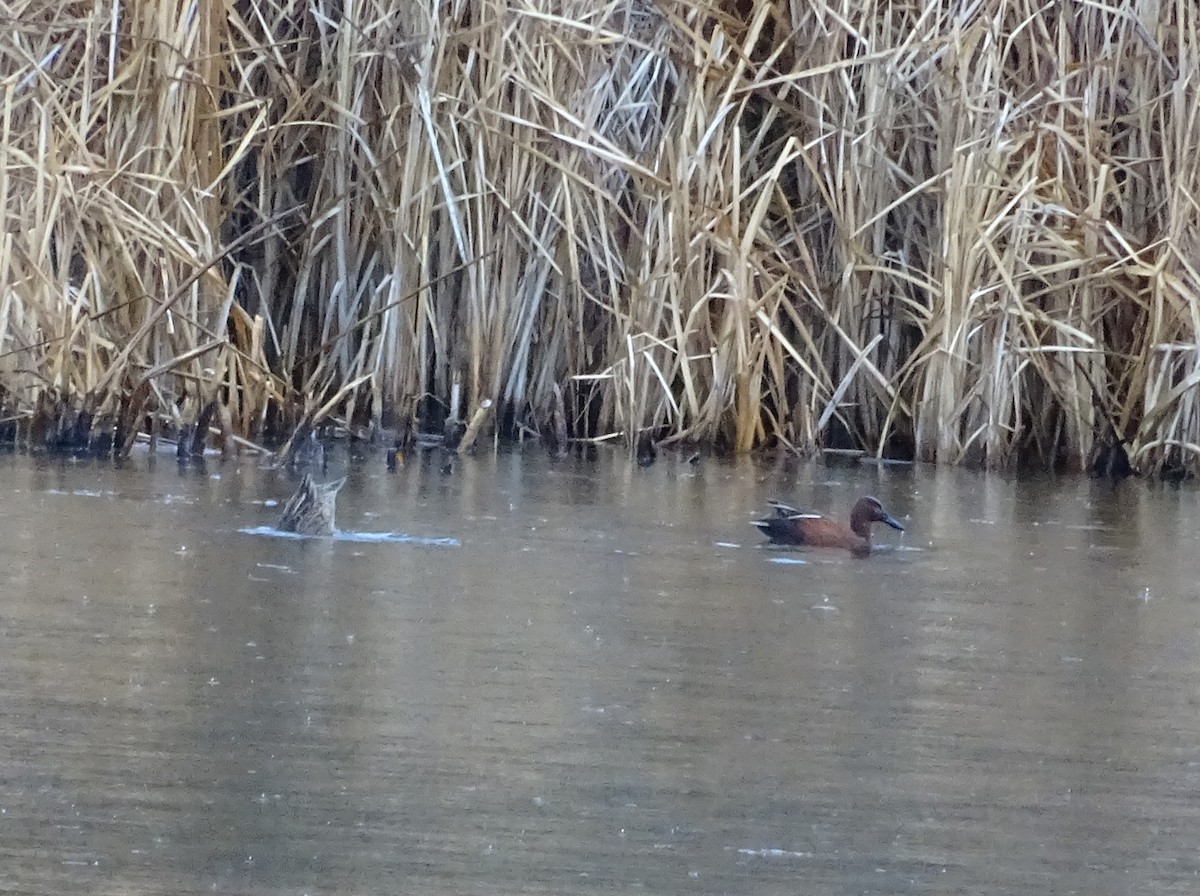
(922, 231)
(473, 427)
(560, 433)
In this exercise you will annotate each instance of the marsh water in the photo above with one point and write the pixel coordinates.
(574, 676)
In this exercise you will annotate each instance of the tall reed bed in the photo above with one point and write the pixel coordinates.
(963, 232)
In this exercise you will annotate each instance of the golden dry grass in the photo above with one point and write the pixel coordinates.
(962, 232)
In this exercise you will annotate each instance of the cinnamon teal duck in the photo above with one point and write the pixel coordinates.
(310, 510)
(791, 526)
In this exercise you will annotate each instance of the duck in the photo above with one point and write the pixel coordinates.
(310, 510)
(791, 526)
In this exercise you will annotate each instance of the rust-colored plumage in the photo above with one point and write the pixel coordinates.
(791, 526)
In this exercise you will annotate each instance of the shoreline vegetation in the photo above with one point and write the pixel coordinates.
(952, 232)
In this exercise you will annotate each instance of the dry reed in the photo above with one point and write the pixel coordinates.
(960, 232)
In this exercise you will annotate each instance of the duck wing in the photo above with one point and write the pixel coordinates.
(788, 512)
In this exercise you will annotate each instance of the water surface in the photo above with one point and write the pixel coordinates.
(561, 677)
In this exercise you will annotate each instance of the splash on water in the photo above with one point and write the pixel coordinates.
(773, 853)
(81, 493)
(368, 537)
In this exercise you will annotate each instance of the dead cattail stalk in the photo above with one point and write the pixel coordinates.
(476, 423)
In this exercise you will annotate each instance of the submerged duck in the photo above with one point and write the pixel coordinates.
(791, 526)
(310, 511)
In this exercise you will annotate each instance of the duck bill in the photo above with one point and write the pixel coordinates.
(891, 521)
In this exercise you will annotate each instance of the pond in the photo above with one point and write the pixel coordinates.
(569, 676)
